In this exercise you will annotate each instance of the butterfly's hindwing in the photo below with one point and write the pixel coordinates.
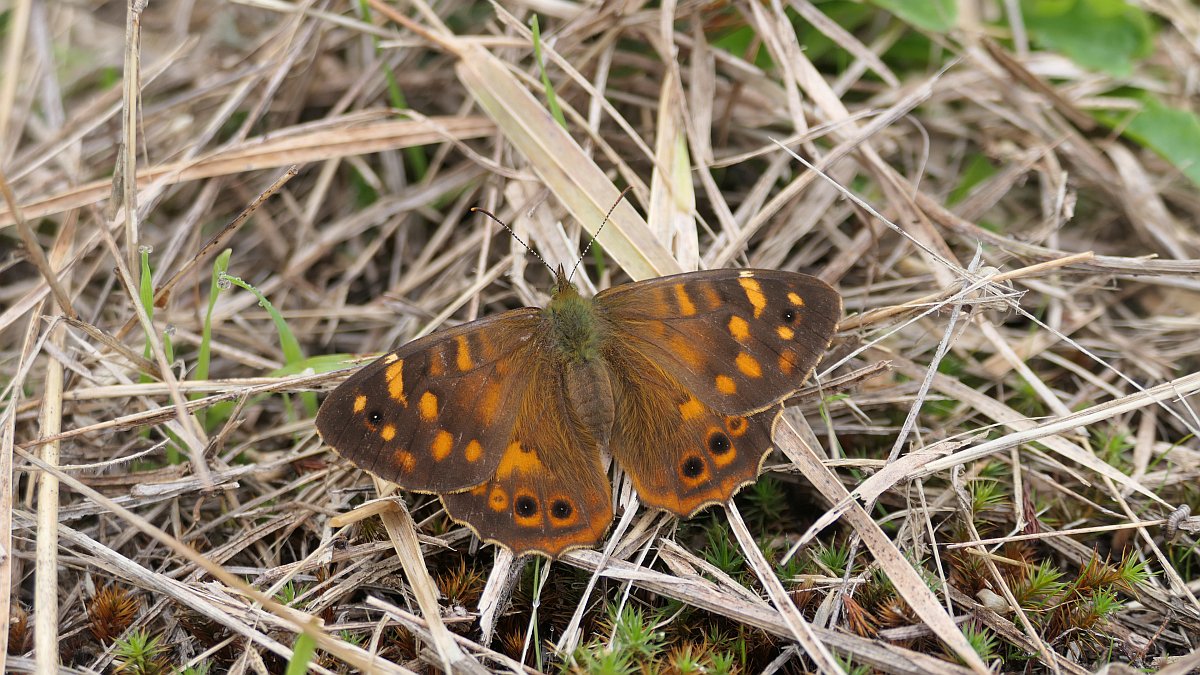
(692, 456)
(435, 414)
(549, 492)
(739, 340)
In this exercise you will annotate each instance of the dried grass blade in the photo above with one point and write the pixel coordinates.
(278, 150)
(46, 588)
(801, 631)
(402, 531)
(562, 165)
(672, 197)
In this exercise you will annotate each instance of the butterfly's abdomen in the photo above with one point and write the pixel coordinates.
(589, 392)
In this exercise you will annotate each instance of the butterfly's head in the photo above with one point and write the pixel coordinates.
(562, 282)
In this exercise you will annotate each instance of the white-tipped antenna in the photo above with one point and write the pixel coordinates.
(597, 233)
(514, 236)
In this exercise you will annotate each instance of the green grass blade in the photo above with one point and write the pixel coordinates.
(290, 346)
(551, 97)
(204, 356)
(417, 159)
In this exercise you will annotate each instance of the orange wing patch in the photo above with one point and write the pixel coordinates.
(754, 294)
(736, 425)
(726, 385)
(498, 500)
(686, 308)
(463, 354)
(691, 408)
(404, 459)
(442, 444)
(680, 346)
(395, 380)
(739, 328)
(518, 460)
(748, 365)
(428, 406)
(489, 405)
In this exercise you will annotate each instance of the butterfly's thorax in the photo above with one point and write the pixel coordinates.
(576, 334)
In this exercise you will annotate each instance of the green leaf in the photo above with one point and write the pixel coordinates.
(1171, 132)
(321, 363)
(1106, 35)
(938, 16)
(976, 170)
(303, 651)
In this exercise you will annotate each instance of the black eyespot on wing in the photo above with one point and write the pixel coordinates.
(718, 443)
(561, 509)
(375, 417)
(525, 506)
(789, 316)
(692, 467)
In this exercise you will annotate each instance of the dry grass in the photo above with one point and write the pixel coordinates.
(998, 452)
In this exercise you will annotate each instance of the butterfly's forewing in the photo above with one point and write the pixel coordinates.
(691, 455)
(701, 361)
(435, 415)
(739, 340)
(549, 492)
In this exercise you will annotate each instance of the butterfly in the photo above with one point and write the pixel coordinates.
(679, 378)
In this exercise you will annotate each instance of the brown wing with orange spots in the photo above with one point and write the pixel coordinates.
(738, 340)
(550, 492)
(435, 415)
(695, 456)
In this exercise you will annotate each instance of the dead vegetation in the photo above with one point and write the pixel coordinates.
(993, 467)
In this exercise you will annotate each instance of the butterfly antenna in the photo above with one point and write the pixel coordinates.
(514, 236)
(598, 229)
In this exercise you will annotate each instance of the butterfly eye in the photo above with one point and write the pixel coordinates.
(561, 509)
(525, 506)
(718, 443)
(789, 315)
(692, 467)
